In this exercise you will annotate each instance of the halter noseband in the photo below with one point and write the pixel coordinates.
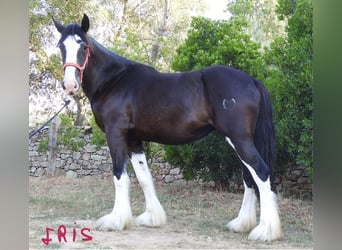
(80, 68)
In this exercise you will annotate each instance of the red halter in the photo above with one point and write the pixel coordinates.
(80, 68)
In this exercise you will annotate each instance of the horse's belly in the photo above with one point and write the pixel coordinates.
(171, 135)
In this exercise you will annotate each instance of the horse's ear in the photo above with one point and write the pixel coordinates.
(58, 25)
(85, 23)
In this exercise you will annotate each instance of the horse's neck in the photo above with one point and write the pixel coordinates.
(103, 65)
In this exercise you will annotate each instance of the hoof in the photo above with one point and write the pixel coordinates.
(265, 232)
(239, 225)
(151, 220)
(113, 222)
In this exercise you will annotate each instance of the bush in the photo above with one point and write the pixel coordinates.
(98, 138)
(68, 134)
(210, 159)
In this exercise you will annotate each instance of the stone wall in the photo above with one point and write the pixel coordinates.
(296, 182)
(88, 160)
(91, 161)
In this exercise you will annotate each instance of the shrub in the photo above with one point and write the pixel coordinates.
(210, 159)
(68, 134)
(98, 137)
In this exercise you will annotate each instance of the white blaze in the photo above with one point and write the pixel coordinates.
(71, 49)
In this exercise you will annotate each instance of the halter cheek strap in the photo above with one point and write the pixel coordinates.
(80, 68)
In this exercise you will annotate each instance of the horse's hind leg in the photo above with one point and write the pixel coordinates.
(154, 216)
(269, 225)
(246, 219)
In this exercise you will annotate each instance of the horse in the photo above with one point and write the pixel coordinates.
(133, 103)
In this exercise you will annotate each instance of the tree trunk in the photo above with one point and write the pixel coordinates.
(50, 171)
(161, 31)
(79, 113)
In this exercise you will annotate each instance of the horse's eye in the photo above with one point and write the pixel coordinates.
(79, 41)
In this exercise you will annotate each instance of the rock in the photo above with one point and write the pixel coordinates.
(98, 158)
(60, 163)
(169, 179)
(64, 156)
(71, 174)
(211, 184)
(76, 155)
(179, 176)
(33, 153)
(86, 156)
(74, 166)
(39, 172)
(89, 148)
(175, 171)
(105, 167)
(83, 172)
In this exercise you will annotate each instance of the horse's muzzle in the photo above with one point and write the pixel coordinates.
(71, 88)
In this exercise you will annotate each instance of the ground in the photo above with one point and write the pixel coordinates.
(196, 217)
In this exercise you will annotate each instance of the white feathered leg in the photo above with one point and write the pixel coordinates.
(154, 216)
(269, 227)
(121, 216)
(246, 219)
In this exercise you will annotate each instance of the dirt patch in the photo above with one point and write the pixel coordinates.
(196, 217)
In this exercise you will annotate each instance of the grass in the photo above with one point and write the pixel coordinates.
(196, 216)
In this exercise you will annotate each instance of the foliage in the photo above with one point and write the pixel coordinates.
(210, 159)
(290, 82)
(43, 146)
(214, 43)
(98, 138)
(68, 134)
(220, 42)
(150, 32)
(262, 19)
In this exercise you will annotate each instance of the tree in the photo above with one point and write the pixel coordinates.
(150, 30)
(261, 16)
(212, 42)
(290, 82)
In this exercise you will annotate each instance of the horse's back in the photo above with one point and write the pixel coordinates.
(169, 108)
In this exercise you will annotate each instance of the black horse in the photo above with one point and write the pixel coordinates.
(133, 103)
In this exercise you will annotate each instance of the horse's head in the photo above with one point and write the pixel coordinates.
(75, 52)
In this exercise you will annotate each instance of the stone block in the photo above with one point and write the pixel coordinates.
(76, 155)
(71, 174)
(169, 179)
(175, 171)
(39, 172)
(89, 148)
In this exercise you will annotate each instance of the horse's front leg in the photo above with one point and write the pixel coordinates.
(121, 216)
(154, 216)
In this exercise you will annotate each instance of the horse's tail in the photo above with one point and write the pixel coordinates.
(264, 138)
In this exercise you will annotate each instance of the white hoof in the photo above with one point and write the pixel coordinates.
(239, 225)
(113, 222)
(265, 232)
(149, 219)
